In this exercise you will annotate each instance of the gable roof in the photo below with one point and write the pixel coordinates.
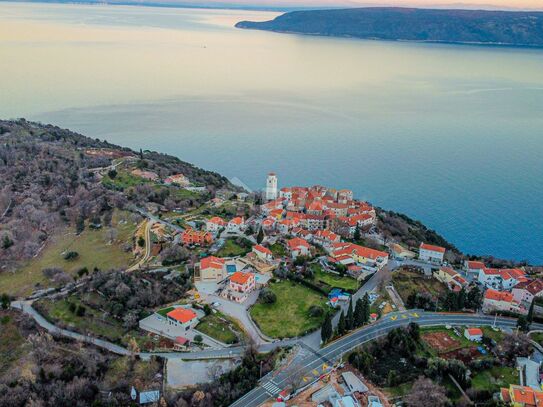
(432, 247)
(211, 262)
(296, 242)
(496, 295)
(474, 331)
(241, 278)
(262, 249)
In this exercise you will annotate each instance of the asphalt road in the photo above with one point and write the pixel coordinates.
(317, 362)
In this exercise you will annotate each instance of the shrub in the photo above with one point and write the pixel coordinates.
(315, 311)
(80, 311)
(267, 296)
(71, 255)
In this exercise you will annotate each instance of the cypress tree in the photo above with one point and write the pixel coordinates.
(260, 236)
(350, 316)
(366, 308)
(326, 330)
(341, 324)
(359, 313)
(530, 316)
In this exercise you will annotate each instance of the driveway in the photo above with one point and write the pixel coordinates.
(239, 312)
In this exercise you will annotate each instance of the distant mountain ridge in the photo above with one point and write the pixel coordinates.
(512, 28)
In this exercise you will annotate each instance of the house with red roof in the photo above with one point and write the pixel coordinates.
(210, 269)
(521, 396)
(431, 253)
(501, 278)
(452, 279)
(473, 334)
(495, 300)
(235, 225)
(349, 253)
(298, 247)
(178, 179)
(215, 224)
(325, 238)
(263, 252)
(473, 268)
(196, 237)
(240, 286)
(286, 225)
(182, 317)
(268, 224)
(525, 291)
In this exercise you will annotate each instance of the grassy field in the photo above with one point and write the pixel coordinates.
(334, 280)
(12, 343)
(289, 315)
(494, 378)
(231, 249)
(278, 250)
(165, 311)
(92, 321)
(407, 282)
(92, 246)
(124, 369)
(214, 325)
(123, 180)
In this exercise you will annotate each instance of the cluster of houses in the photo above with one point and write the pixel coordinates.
(507, 289)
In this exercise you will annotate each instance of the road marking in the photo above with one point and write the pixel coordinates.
(415, 315)
(404, 316)
(315, 372)
(394, 318)
(271, 388)
(324, 367)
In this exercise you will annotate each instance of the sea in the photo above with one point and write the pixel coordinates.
(451, 135)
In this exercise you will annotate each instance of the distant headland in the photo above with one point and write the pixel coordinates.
(481, 27)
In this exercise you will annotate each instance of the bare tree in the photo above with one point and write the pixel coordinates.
(426, 393)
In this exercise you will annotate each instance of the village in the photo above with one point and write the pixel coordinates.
(301, 269)
(243, 264)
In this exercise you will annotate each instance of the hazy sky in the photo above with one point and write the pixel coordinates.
(480, 4)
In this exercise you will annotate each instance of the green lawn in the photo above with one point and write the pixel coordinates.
(278, 250)
(494, 378)
(93, 248)
(93, 321)
(537, 337)
(164, 311)
(289, 315)
(123, 180)
(232, 248)
(219, 327)
(334, 280)
(407, 282)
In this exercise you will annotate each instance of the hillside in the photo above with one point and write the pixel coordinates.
(62, 192)
(410, 24)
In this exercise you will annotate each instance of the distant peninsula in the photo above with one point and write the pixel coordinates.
(508, 28)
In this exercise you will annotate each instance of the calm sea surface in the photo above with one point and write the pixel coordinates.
(450, 135)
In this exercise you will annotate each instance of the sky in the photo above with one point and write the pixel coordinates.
(471, 4)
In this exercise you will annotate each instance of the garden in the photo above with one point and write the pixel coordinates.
(296, 310)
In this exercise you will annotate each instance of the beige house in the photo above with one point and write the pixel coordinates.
(210, 269)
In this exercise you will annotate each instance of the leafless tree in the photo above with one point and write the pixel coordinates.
(426, 393)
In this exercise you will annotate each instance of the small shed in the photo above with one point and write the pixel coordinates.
(353, 383)
(473, 334)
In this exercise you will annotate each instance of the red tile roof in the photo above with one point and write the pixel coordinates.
(475, 331)
(241, 278)
(495, 295)
(211, 262)
(476, 265)
(182, 315)
(297, 242)
(432, 247)
(262, 249)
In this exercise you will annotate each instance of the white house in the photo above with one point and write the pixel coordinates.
(501, 301)
(526, 291)
(263, 252)
(182, 317)
(235, 225)
(473, 334)
(473, 268)
(214, 224)
(298, 247)
(501, 278)
(434, 254)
